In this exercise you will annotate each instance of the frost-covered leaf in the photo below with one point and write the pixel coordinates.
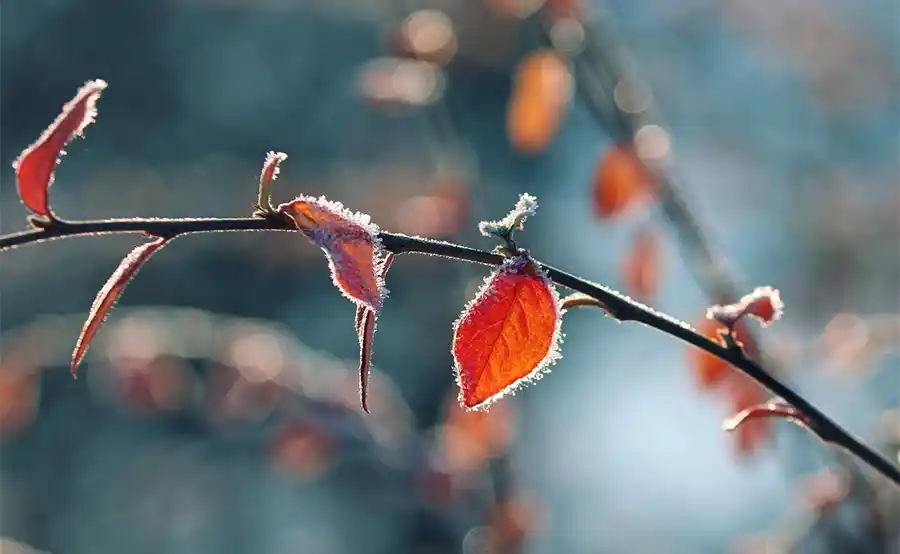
(110, 292)
(508, 334)
(351, 244)
(525, 207)
(365, 329)
(34, 166)
(763, 304)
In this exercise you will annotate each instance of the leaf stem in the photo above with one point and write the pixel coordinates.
(617, 305)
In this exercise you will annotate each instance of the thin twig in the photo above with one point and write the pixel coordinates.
(617, 305)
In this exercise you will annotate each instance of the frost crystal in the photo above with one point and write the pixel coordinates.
(515, 219)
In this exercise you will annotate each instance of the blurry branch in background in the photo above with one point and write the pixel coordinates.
(617, 305)
(429, 36)
(623, 106)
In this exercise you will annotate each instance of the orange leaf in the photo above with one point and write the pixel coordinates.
(620, 182)
(541, 91)
(110, 292)
(507, 335)
(34, 166)
(640, 268)
(711, 370)
(350, 242)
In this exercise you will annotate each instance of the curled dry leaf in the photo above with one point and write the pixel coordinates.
(365, 329)
(640, 268)
(620, 182)
(271, 169)
(541, 91)
(34, 166)
(508, 334)
(351, 244)
(763, 304)
(110, 292)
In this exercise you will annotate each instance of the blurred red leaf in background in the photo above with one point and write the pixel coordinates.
(34, 166)
(302, 449)
(507, 335)
(512, 520)
(541, 92)
(470, 439)
(438, 212)
(640, 267)
(19, 393)
(620, 182)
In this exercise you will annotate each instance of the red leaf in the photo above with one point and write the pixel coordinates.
(640, 268)
(350, 242)
(34, 166)
(271, 167)
(366, 336)
(365, 328)
(764, 304)
(541, 91)
(507, 335)
(620, 182)
(710, 370)
(110, 292)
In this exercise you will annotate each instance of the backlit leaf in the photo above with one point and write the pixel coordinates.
(710, 370)
(764, 304)
(365, 329)
(620, 182)
(507, 335)
(640, 268)
(350, 242)
(110, 292)
(34, 166)
(541, 91)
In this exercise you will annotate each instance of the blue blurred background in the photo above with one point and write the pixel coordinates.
(217, 412)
